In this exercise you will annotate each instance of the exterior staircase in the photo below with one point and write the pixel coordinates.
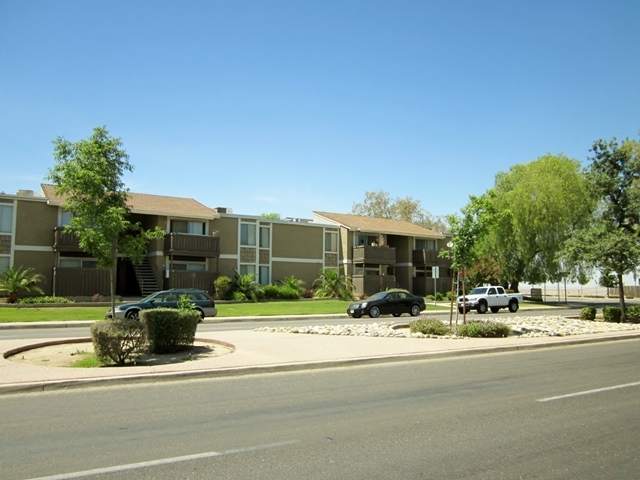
(146, 279)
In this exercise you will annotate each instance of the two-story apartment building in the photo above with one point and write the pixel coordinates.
(381, 253)
(202, 243)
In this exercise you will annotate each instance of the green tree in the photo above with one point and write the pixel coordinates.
(611, 242)
(379, 204)
(538, 206)
(271, 216)
(331, 284)
(88, 175)
(15, 280)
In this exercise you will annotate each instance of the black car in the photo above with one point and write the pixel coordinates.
(394, 302)
(167, 299)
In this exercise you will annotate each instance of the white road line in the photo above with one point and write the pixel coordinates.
(163, 461)
(588, 392)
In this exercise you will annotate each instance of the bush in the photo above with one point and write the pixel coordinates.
(239, 296)
(167, 330)
(185, 303)
(223, 288)
(308, 293)
(612, 314)
(633, 314)
(484, 329)
(429, 326)
(44, 299)
(588, 313)
(440, 296)
(280, 292)
(116, 340)
(430, 297)
(97, 298)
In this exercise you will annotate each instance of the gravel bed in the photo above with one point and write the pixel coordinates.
(541, 326)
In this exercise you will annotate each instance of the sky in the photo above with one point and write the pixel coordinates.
(290, 107)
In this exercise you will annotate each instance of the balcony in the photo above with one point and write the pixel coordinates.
(65, 241)
(429, 258)
(191, 245)
(374, 255)
(370, 284)
(185, 279)
(80, 282)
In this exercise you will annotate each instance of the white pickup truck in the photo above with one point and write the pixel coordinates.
(491, 298)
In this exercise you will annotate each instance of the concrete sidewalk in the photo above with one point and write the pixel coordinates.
(263, 352)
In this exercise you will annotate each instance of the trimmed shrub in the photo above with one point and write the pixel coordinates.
(280, 292)
(429, 326)
(612, 314)
(484, 329)
(239, 296)
(116, 340)
(223, 288)
(588, 313)
(44, 299)
(440, 296)
(168, 330)
(633, 314)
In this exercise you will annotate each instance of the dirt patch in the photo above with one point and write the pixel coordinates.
(67, 354)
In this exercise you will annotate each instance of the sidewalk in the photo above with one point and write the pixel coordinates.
(262, 352)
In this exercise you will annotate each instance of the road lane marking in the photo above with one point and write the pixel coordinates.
(163, 461)
(588, 392)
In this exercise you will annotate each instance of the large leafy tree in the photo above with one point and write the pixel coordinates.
(611, 242)
(88, 175)
(538, 206)
(379, 204)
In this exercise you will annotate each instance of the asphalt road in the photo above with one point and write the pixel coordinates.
(571, 412)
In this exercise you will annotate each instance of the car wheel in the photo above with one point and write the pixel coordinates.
(201, 315)
(133, 315)
(374, 312)
(460, 310)
(513, 306)
(397, 314)
(482, 307)
(415, 310)
(495, 309)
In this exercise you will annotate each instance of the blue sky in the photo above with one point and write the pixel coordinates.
(290, 106)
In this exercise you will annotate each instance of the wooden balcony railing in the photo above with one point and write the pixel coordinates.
(429, 258)
(374, 255)
(191, 245)
(186, 279)
(65, 241)
(370, 284)
(80, 282)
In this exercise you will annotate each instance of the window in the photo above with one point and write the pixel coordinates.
(65, 218)
(184, 226)
(424, 244)
(263, 276)
(6, 218)
(245, 269)
(265, 237)
(189, 266)
(76, 262)
(4, 264)
(363, 239)
(248, 234)
(330, 242)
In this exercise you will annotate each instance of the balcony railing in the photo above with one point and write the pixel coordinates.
(80, 282)
(370, 284)
(429, 258)
(191, 245)
(374, 255)
(65, 241)
(185, 279)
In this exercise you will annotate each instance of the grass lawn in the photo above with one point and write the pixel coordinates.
(60, 314)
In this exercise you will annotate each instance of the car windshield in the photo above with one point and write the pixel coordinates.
(479, 291)
(377, 296)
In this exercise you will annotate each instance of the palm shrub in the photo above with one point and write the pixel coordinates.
(15, 280)
(588, 313)
(331, 284)
(116, 340)
(429, 326)
(293, 283)
(612, 314)
(167, 330)
(247, 285)
(484, 329)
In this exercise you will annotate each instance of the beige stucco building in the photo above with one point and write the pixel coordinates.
(202, 243)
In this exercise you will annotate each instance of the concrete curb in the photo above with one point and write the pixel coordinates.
(42, 386)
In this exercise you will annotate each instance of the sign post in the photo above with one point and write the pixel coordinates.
(435, 273)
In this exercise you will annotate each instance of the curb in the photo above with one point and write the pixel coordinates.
(46, 386)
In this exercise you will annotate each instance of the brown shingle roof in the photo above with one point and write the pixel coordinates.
(150, 204)
(379, 225)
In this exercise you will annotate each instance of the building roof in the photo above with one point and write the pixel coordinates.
(379, 225)
(143, 203)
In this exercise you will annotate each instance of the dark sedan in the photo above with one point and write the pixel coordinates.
(394, 302)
